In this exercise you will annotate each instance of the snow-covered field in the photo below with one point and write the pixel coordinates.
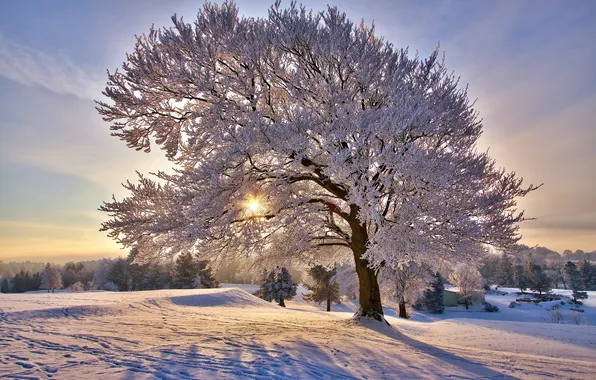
(228, 333)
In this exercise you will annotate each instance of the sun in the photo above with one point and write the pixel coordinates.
(253, 205)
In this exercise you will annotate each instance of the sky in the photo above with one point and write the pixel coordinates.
(529, 64)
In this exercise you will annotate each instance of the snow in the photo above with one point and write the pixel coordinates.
(228, 333)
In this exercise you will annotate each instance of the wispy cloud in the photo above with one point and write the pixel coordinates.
(54, 71)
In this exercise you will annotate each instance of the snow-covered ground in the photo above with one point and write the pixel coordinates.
(228, 333)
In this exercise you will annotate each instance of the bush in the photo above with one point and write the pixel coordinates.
(555, 316)
(76, 287)
(490, 308)
(110, 286)
(577, 318)
(512, 304)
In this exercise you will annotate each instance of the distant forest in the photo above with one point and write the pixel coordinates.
(187, 271)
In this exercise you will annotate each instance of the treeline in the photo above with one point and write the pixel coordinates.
(122, 274)
(529, 272)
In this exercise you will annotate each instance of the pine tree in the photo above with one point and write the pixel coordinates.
(35, 282)
(520, 278)
(433, 297)
(504, 274)
(575, 281)
(51, 278)
(120, 274)
(5, 286)
(540, 280)
(204, 278)
(186, 271)
(587, 272)
(277, 285)
(324, 289)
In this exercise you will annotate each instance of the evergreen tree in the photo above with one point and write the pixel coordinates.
(204, 279)
(186, 271)
(21, 282)
(51, 278)
(35, 283)
(520, 278)
(5, 286)
(575, 281)
(504, 275)
(324, 289)
(119, 274)
(433, 297)
(540, 280)
(587, 273)
(277, 285)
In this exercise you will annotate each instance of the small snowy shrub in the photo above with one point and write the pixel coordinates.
(512, 304)
(490, 308)
(76, 287)
(110, 286)
(555, 316)
(577, 318)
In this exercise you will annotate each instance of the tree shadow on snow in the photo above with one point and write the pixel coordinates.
(231, 359)
(445, 360)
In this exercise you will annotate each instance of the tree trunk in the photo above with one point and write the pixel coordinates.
(328, 304)
(402, 310)
(282, 303)
(466, 302)
(370, 294)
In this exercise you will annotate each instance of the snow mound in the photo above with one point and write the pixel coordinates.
(76, 312)
(235, 297)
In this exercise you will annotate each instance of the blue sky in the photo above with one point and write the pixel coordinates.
(529, 64)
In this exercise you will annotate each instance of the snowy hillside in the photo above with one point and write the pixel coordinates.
(228, 333)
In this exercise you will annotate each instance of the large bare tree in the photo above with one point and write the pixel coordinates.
(300, 133)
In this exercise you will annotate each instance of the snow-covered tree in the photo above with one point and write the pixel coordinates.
(407, 283)
(301, 133)
(277, 285)
(204, 278)
(101, 273)
(51, 278)
(190, 272)
(346, 279)
(556, 270)
(467, 279)
(324, 287)
(432, 298)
